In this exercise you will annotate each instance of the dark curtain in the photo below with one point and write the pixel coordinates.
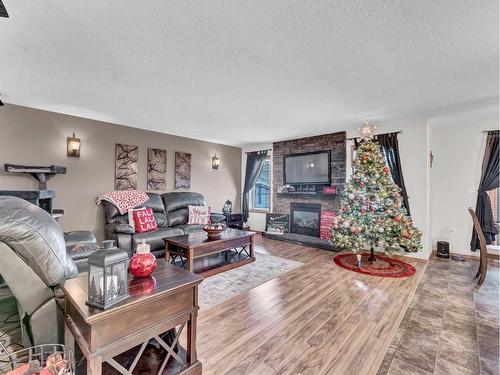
(489, 181)
(389, 147)
(255, 162)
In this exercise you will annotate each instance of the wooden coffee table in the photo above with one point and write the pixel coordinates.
(197, 245)
(157, 304)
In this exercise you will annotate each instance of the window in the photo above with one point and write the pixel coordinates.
(260, 194)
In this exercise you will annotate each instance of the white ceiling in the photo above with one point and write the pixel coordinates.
(244, 72)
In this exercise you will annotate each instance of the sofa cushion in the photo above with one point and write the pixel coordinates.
(156, 203)
(155, 239)
(182, 199)
(178, 217)
(37, 238)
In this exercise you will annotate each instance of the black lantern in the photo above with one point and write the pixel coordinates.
(107, 284)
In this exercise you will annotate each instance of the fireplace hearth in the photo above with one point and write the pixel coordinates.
(305, 218)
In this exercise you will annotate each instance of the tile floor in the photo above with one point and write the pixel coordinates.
(451, 326)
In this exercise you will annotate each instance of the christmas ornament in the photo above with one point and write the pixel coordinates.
(143, 263)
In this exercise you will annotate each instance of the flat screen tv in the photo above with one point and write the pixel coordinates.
(309, 168)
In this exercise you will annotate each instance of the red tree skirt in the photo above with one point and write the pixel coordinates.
(382, 267)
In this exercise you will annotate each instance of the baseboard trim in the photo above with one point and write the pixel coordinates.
(471, 257)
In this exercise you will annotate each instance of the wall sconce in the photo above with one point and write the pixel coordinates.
(215, 162)
(74, 146)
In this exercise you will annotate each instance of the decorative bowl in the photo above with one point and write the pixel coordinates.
(214, 230)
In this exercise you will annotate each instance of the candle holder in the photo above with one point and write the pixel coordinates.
(107, 278)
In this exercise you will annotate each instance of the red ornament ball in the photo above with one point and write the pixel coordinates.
(386, 170)
(142, 265)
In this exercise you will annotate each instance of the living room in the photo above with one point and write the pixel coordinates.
(249, 188)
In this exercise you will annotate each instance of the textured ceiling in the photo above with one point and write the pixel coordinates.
(243, 72)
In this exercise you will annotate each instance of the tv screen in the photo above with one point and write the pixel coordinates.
(310, 168)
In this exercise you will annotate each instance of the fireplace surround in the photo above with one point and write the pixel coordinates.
(305, 218)
(305, 223)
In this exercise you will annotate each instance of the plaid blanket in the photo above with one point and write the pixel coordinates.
(124, 200)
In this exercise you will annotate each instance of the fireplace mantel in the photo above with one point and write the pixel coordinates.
(307, 195)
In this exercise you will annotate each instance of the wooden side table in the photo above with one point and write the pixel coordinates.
(165, 301)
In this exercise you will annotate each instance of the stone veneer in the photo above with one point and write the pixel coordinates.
(335, 142)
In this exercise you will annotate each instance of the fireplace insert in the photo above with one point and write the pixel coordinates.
(305, 218)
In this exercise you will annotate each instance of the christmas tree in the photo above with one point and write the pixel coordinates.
(371, 210)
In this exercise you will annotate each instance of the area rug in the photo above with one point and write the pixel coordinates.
(383, 267)
(219, 288)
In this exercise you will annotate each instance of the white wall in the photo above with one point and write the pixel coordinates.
(256, 220)
(438, 196)
(458, 146)
(414, 150)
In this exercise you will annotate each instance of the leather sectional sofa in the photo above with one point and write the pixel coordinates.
(171, 214)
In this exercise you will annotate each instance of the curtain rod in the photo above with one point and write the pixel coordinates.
(267, 149)
(398, 132)
(487, 131)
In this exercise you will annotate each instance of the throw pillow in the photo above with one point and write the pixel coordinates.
(144, 220)
(131, 216)
(199, 215)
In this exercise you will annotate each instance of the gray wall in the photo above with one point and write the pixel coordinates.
(36, 137)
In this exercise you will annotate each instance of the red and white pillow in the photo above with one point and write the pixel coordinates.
(199, 215)
(143, 220)
(131, 216)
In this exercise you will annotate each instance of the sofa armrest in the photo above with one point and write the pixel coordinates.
(121, 228)
(122, 240)
(217, 218)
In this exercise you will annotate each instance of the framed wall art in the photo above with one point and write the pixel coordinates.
(126, 157)
(157, 169)
(182, 170)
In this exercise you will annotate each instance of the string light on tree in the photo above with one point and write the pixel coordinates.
(371, 210)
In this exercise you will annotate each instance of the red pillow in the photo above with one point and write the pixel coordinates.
(144, 220)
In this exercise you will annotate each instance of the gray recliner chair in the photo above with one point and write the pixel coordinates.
(34, 264)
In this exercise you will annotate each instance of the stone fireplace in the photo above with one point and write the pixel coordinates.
(304, 206)
(305, 218)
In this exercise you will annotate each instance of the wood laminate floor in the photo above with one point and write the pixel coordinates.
(315, 319)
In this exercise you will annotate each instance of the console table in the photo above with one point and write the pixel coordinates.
(166, 301)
